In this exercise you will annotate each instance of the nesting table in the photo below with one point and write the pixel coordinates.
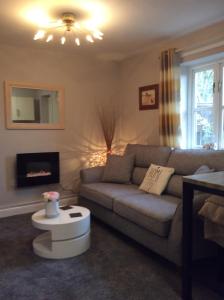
(67, 235)
(212, 183)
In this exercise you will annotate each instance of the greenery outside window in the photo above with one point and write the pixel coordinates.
(205, 105)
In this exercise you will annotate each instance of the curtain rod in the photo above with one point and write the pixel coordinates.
(194, 50)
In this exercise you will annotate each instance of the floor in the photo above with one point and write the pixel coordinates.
(115, 268)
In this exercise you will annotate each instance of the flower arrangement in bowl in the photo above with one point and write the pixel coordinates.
(52, 204)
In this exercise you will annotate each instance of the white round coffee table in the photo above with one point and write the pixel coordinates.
(67, 236)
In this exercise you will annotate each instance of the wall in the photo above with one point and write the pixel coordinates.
(86, 82)
(143, 69)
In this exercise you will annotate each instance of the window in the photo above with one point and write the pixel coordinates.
(204, 115)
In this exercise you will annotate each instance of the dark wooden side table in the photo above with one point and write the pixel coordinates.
(212, 183)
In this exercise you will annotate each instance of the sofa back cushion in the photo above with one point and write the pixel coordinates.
(138, 175)
(145, 155)
(118, 169)
(175, 186)
(186, 162)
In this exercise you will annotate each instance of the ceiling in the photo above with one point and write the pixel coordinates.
(128, 25)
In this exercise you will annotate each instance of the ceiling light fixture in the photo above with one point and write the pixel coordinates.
(73, 30)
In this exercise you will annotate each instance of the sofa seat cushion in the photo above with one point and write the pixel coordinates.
(152, 212)
(104, 193)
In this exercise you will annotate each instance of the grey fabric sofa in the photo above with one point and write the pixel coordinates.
(154, 221)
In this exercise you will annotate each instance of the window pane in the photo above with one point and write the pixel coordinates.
(222, 133)
(203, 88)
(223, 85)
(204, 127)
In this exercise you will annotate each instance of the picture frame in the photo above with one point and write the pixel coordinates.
(149, 97)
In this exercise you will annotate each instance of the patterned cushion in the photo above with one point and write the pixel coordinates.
(118, 169)
(156, 179)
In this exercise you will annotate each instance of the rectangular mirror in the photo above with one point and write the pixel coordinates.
(30, 106)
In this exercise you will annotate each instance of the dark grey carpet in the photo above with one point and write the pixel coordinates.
(115, 268)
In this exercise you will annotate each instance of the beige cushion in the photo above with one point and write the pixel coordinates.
(156, 179)
(213, 209)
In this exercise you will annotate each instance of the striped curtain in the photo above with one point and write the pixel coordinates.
(169, 108)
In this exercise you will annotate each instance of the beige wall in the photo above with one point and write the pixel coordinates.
(143, 69)
(86, 81)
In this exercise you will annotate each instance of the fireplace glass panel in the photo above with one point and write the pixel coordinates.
(37, 168)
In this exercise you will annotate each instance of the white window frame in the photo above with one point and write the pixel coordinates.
(220, 89)
(218, 107)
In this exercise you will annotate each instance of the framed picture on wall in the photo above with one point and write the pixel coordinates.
(149, 97)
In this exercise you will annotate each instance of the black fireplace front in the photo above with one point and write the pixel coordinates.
(37, 168)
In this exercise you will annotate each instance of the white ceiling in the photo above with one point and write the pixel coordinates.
(128, 25)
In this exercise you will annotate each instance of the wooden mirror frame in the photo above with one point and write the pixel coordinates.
(8, 85)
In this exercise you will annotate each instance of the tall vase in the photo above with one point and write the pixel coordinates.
(52, 209)
(109, 152)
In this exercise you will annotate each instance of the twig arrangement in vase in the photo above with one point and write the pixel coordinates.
(108, 117)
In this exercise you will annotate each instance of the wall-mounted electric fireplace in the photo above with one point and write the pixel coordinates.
(37, 168)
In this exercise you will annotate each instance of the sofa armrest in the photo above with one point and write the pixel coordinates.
(91, 174)
(176, 225)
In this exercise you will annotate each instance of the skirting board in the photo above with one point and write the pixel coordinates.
(32, 207)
